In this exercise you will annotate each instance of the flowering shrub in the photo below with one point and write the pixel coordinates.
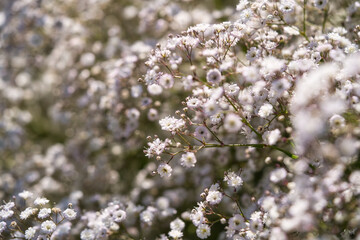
(180, 119)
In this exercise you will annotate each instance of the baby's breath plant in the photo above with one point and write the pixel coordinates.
(179, 119)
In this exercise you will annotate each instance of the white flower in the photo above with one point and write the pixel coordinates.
(202, 133)
(2, 226)
(177, 224)
(320, 4)
(44, 213)
(41, 201)
(210, 107)
(277, 175)
(119, 215)
(175, 233)
(214, 197)
(193, 103)
(203, 231)
(5, 213)
(237, 222)
(233, 180)
(215, 119)
(164, 170)
(30, 233)
(154, 89)
(188, 160)
(266, 110)
(132, 114)
(213, 76)
(153, 114)
(147, 216)
(48, 227)
(166, 81)
(231, 89)
(25, 194)
(26, 213)
(197, 218)
(272, 137)
(156, 147)
(252, 54)
(171, 124)
(277, 234)
(287, 6)
(69, 214)
(87, 234)
(232, 123)
(337, 122)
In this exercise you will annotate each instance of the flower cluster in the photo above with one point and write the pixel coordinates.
(45, 222)
(179, 119)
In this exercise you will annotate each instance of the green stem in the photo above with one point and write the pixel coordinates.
(187, 142)
(227, 98)
(251, 127)
(259, 145)
(304, 17)
(217, 139)
(326, 14)
(243, 119)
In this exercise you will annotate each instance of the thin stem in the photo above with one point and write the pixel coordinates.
(243, 119)
(227, 98)
(238, 205)
(304, 17)
(259, 145)
(183, 139)
(217, 139)
(251, 127)
(326, 14)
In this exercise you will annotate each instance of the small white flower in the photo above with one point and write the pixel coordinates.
(69, 214)
(166, 81)
(153, 114)
(48, 227)
(320, 4)
(237, 222)
(119, 215)
(203, 231)
(87, 234)
(271, 137)
(197, 218)
(287, 6)
(175, 234)
(5, 213)
(266, 110)
(164, 170)
(154, 89)
(44, 213)
(277, 175)
(337, 122)
(26, 194)
(171, 124)
(147, 216)
(210, 107)
(252, 54)
(177, 224)
(30, 233)
(41, 201)
(201, 133)
(213, 76)
(214, 197)
(232, 123)
(26, 213)
(188, 160)
(2, 226)
(233, 180)
(193, 103)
